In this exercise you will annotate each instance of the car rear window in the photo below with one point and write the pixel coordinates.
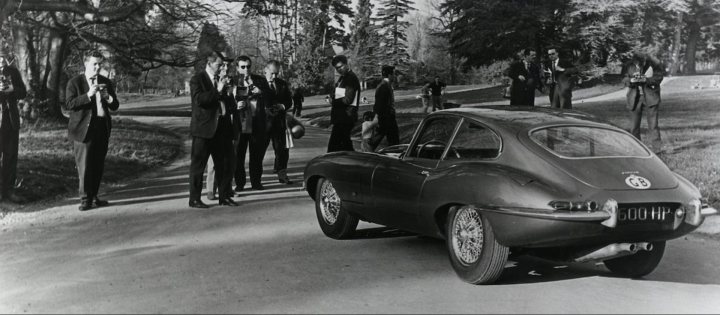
(585, 142)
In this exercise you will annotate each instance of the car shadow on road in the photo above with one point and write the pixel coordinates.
(380, 232)
(526, 269)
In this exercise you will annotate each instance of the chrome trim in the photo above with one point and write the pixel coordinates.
(647, 150)
(560, 215)
(706, 212)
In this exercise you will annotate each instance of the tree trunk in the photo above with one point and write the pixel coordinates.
(677, 41)
(57, 54)
(692, 39)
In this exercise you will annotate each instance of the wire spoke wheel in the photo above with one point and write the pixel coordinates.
(329, 203)
(467, 236)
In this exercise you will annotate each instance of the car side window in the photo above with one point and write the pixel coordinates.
(433, 138)
(474, 141)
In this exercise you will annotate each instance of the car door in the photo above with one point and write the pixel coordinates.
(398, 183)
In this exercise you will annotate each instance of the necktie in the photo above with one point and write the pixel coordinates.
(98, 101)
(272, 85)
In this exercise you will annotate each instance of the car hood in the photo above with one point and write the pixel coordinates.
(626, 173)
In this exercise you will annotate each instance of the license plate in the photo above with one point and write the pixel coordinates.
(647, 214)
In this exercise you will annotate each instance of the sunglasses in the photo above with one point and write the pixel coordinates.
(339, 67)
(244, 67)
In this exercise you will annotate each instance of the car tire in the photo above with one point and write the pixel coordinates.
(334, 220)
(474, 252)
(638, 264)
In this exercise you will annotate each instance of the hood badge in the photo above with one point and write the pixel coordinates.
(637, 182)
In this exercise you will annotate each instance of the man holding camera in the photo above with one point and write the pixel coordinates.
(211, 129)
(344, 101)
(642, 78)
(279, 101)
(12, 89)
(253, 139)
(90, 97)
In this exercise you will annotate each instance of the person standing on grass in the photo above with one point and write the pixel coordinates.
(298, 99)
(642, 77)
(90, 98)
(369, 126)
(384, 108)
(525, 75)
(344, 102)
(425, 97)
(437, 90)
(12, 89)
(560, 73)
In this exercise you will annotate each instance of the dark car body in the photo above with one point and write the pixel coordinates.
(516, 172)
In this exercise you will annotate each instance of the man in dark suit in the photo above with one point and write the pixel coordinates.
(279, 101)
(560, 80)
(12, 89)
(90, 97)
(298, 99)
(253, 139)
(642, 77)
(525, 75)
(211, 130)
(344, 101)
(384, 108)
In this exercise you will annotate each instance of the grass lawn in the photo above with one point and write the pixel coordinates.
(46, 165)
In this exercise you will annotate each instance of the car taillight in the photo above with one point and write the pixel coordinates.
(574, 205)
(692, 212)
(611, 207)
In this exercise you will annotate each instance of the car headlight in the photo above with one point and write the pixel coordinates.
(587, 205)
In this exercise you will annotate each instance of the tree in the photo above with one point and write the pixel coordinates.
(51, 36)
(364, 42)
(392, 28)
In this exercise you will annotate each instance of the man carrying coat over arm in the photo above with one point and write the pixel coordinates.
(90, 97)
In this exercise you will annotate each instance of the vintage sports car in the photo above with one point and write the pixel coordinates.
(562, 184)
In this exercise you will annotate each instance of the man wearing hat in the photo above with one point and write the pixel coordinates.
(384, 108)
(12, 89)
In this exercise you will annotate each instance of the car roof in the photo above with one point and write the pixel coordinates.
(518, 118)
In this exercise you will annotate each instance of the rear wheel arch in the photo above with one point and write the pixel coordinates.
(311, 185)
(441, 215)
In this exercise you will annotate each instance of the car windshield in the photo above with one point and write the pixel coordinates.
(587, 142)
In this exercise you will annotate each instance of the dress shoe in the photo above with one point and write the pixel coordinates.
(285, 181)
(228, 202)
(100, 203)
(211, 197)
(239, 188)
(84, 206)
(198, 204)
(258, 187)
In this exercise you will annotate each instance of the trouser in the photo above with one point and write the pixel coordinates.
(8, 154)
(425, 103)
(387, 127)
(340, 138)
(218, 147)
(297, 108)
(210, 180)
(256, 145)
(90, 158)
(437, 102)
(282, 154)
(523, 98)
(652, 121)
(561, 98)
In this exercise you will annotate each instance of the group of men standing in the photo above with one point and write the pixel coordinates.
(235, 114)
(642, 77)
(557, 76)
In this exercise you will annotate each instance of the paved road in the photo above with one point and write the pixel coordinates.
(150, 253)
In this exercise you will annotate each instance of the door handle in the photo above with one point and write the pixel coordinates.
(425, 173)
